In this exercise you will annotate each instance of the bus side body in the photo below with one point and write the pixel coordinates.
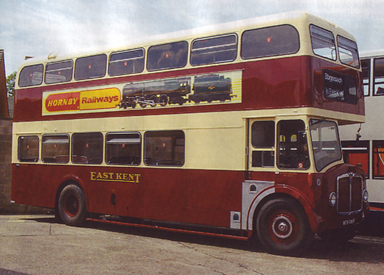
(198, 160)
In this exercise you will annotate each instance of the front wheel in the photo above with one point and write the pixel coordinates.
(283, 228)
(71, 205)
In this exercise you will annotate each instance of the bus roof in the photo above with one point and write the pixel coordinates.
(296, 18)
(372, 53)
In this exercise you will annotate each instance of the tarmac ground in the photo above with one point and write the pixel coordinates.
(38, 244)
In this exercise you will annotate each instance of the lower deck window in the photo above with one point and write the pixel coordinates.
(55, 148)
(87, 148)
(28, 148)
(123, 148)
(164, 148)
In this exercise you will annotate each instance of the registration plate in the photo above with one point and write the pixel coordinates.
(348, 222)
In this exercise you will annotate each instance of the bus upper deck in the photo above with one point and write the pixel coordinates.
(284, 62)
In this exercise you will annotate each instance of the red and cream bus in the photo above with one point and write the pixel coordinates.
(230, 130)
(363, 145)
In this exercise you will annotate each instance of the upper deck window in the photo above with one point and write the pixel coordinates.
(31, 75)
(323, 42)
(270, 41)
(212, 50)
(167, 56)
(348, 52)
(126, 62)
(378, 82)
(366, 66)
(57, 72)
(90, 67)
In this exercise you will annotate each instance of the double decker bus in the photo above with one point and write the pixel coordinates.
(230, 130)
(363, 145)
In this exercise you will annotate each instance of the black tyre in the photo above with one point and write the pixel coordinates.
(283, 228)
(72, 206)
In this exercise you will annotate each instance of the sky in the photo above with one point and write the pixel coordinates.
(41, 27)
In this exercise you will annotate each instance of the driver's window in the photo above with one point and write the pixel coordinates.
(293, 146)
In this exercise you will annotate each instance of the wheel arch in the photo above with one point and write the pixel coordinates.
(68, 180)
(282, 225)
(313, 219)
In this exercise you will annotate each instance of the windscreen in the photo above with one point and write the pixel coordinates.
(325, 142)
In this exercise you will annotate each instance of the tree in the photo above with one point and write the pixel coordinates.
(11, 84)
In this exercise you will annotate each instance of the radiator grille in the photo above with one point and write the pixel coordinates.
(349, 193)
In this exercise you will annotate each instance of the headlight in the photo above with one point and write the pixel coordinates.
(365, 195)
(332, 199)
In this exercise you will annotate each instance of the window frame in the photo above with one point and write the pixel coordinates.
(268, 40)
(380, 82)
(81, 74)
(356, 147)
(23, 76)
(62, 69)
(213, 52)
(366, 78)
(84, 159)
(375, 174)
(107, 148)
(155, 50)
(324, 37)
(35, 158)
(173, 134)
(55, 135)
(343, 45)
(302, 160)
(110, 61)
(317, 156)
(263, 153)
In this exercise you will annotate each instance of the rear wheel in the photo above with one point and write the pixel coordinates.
(283, 228)
(71, 205)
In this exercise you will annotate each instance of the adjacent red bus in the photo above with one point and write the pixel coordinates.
(229, 130)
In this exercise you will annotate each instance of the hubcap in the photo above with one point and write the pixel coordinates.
(282, 227)
(71, 205)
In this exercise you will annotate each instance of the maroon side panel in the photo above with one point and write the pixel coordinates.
(270, 84)
(179, 195)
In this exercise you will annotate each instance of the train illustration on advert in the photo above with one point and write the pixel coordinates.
(205, 88)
